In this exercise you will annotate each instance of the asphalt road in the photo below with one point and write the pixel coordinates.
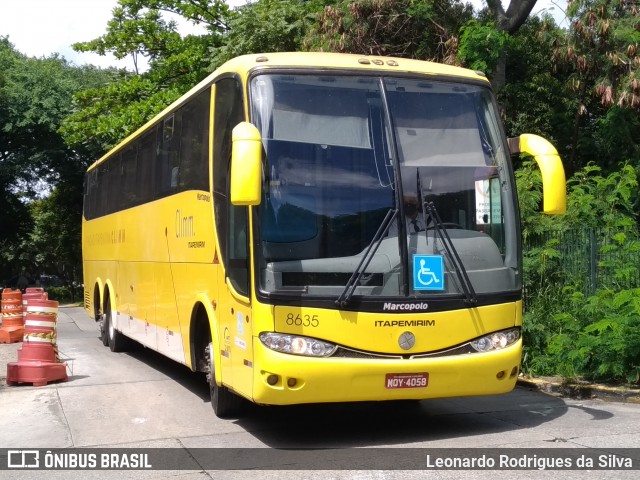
(139, 400)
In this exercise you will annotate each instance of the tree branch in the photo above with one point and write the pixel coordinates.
(516, 14)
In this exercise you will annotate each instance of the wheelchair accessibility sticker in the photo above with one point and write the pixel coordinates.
(428, 272)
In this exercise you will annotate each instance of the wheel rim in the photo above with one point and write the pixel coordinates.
(110, 328)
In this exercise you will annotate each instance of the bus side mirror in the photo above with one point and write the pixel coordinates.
(554, 190)
(246, 165)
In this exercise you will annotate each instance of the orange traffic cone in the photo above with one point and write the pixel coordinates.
(12, 321)
(38, 361)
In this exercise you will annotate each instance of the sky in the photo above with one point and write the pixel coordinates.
(41, 27)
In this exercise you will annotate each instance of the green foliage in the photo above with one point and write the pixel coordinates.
(593, 200)
(481, 46)
(570, 327)
(35, 95)
(105, 115)
(598, 59)
(401, 28)
(64, 294)
(138, 28)
(214, 14)
(532, 97)
(267, 26)
(599, 338)
(602, 51)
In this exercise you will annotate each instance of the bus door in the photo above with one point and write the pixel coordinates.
(234, 308)
(233, 311)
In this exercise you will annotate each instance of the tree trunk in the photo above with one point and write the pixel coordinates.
(509, 21)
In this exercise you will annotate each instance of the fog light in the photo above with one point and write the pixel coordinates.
(292, 382)
(514, 371)
(499, 375)
(272, 379)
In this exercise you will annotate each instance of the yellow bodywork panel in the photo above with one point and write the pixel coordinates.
(302, 379)
(155, 258)
(376, 332)
(313, 380)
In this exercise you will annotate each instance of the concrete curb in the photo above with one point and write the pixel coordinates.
(563, 388)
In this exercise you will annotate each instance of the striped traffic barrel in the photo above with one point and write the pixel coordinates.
(12, 321)
(38, 361)
(40, 325)
(32, 294)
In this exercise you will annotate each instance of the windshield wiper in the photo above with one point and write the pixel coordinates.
(353, 281)
(452, 253)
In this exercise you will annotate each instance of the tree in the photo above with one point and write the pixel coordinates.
(35, 95)
(425, 30)
(267, 26)
(534, 93)
(599, 55)
(139, 29)
(105, 115)
(508, 21)
(13, 212)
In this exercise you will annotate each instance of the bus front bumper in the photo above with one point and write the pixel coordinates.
(282, 379)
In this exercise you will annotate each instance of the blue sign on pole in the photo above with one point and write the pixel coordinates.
(428, 272)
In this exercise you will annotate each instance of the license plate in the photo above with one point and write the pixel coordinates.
(406, 380)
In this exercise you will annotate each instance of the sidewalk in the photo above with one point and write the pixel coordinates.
(581, 390)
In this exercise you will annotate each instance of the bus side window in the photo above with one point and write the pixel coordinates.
(146, 165)
(168, 155)
(129, 187)
(91, 194)
(194, 143)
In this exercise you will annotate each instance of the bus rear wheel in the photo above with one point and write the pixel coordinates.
(117, 341)
(100, 318)
(225, 403)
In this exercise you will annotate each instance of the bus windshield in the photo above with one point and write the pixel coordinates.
(343, 151)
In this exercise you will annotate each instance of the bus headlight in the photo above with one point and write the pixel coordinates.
(496, 341)
(296, 344)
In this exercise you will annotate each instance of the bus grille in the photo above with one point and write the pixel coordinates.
(343, 352)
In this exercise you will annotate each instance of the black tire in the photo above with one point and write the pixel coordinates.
(98, 315)
(117, 341)
(104, 336)
(225, 403)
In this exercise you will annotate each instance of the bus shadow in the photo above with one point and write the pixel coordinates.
(436, 421)
(364, 424)
(195, 382)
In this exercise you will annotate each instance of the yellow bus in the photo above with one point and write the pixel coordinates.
(309, 227)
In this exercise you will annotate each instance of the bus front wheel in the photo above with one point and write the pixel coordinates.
(225, 403)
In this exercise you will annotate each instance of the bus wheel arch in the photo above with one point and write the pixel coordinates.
(201, 333)
(206, 356)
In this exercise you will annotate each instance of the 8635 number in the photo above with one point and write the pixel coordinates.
(303, 320)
